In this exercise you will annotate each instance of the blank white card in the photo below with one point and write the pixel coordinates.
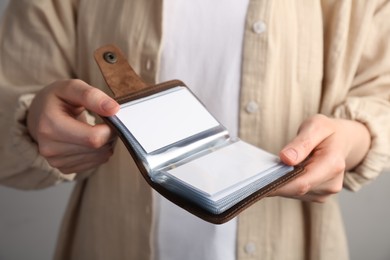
(165, 118)
(226, 170)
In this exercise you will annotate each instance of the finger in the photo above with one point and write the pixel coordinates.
(79, 93)
(81, 168)
(324, 176)
(75, 162)
(312, 132)
(333, 185)
(74, 132)
(84, 166)
(322, 192)
(59, 149)
(313, 198)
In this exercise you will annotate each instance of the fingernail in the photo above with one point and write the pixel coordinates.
(108, 105)
(291, 154)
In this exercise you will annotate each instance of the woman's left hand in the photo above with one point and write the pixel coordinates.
(329, 147)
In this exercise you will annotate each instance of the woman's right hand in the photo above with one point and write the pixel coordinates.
(56, 121)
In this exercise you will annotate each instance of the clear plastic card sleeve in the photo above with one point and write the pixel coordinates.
(182, 151)
(186, 150)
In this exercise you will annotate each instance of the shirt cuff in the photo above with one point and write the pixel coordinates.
(374, 115)
(33, 171)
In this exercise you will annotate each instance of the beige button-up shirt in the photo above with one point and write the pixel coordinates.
(300, 58)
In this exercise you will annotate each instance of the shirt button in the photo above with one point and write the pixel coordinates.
(259, 27)
(252, 107)
(250, 248)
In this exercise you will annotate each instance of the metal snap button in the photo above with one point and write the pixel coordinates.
(110, 57)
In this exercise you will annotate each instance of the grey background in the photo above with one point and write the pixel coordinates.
(29, 220)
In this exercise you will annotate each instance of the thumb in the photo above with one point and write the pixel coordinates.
(79, 93)
(312, 132)
(296, 151)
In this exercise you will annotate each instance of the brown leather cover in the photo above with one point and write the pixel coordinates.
(126, 86)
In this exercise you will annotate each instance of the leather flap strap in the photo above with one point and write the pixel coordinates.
(117, 73)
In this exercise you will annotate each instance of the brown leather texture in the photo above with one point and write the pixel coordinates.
(117, 73)
(150, 90)
(127, 86)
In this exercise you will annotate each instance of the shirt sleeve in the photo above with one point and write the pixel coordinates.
(21, 165)
(369, 99)
(37, 47)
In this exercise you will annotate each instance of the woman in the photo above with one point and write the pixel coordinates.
(309, 81)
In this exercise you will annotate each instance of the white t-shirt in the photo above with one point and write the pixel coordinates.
(202, 46)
